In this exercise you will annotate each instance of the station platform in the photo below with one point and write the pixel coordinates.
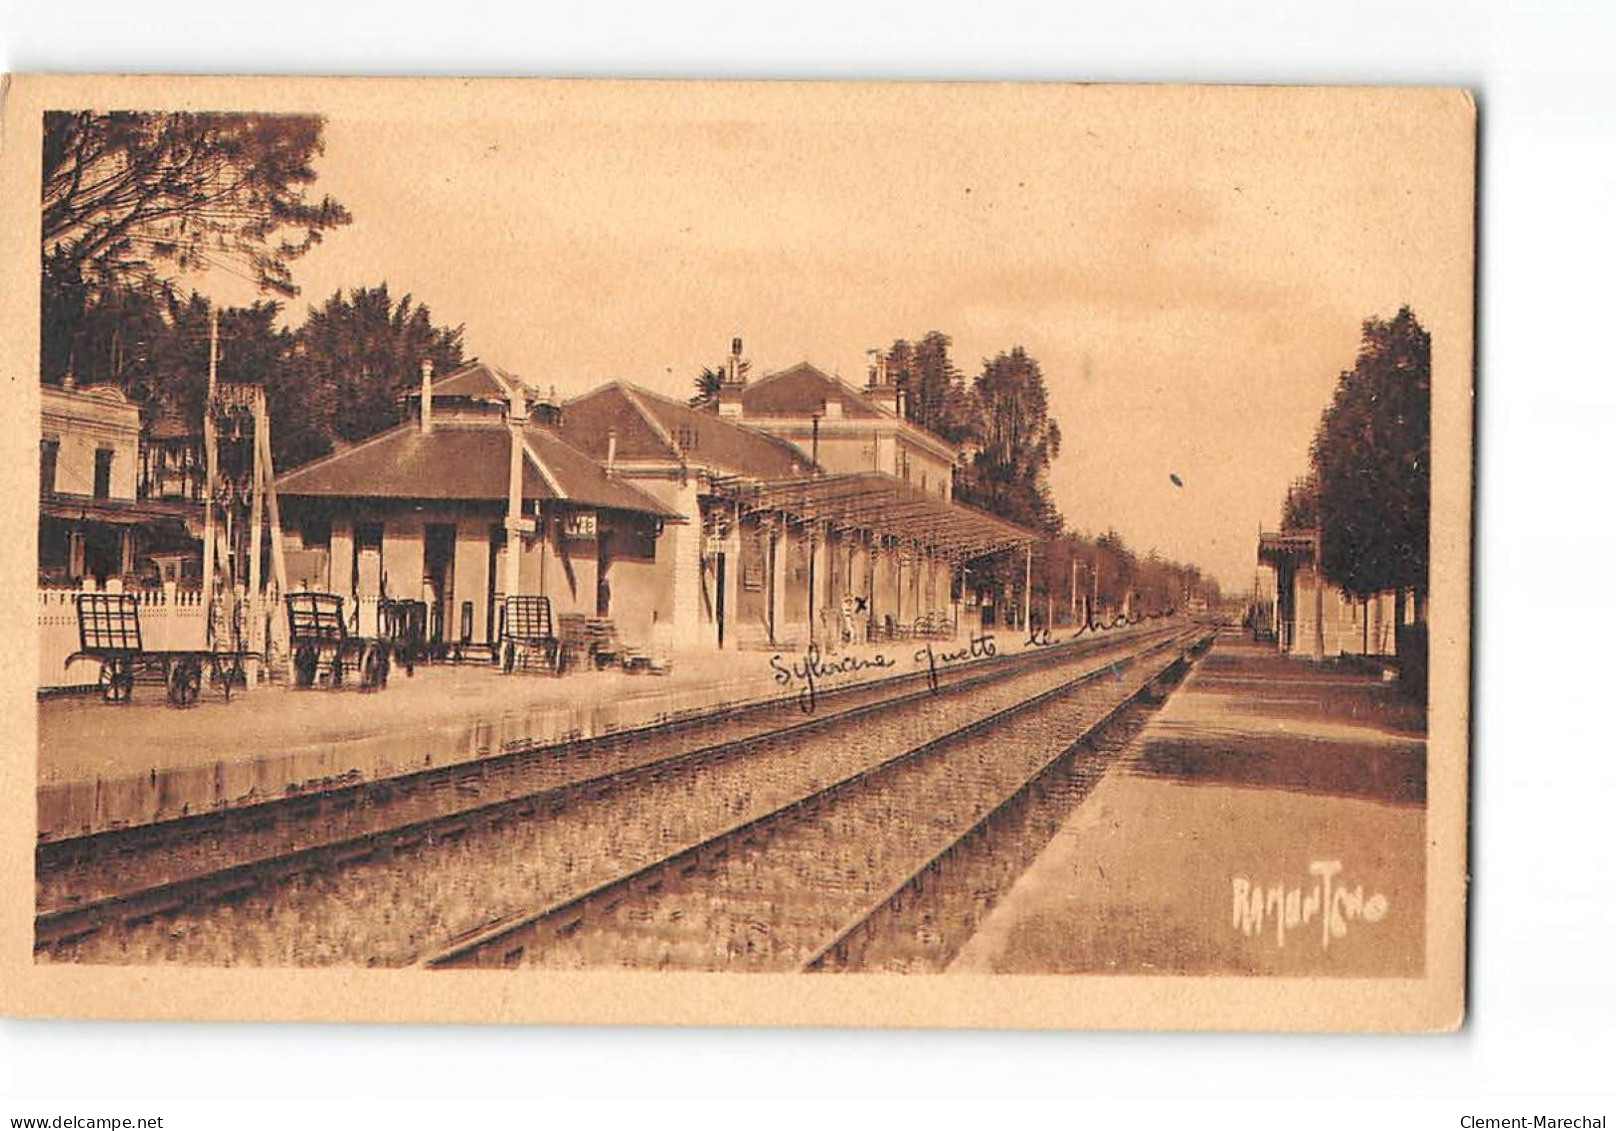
(104, 766)
(1269, 800)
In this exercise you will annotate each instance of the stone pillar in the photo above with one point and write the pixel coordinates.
(776, 575)
(818, 583)
(684, 548)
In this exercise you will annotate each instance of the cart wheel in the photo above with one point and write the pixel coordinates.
(304, 662)
(184, 682)
(116, 680)
(373, 671)
(507, 656)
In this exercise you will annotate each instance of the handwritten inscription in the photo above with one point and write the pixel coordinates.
(979, 648)
(806, 672)
(1282, 908)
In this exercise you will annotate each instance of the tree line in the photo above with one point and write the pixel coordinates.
(1367, 491)
(134, 204)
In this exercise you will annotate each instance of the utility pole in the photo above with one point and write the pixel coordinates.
(255, 553)
(513, 508)
(210, 445)
(1026, 594)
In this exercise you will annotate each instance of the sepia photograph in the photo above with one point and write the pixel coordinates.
(901, 553)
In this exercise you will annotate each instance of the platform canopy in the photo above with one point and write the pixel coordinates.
(1287, 545)
(882, 506)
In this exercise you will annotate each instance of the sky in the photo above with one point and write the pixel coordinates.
(1190, 266)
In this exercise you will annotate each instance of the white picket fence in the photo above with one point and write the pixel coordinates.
(170, 618)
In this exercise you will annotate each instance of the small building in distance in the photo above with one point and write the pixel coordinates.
(101, 516)
(420, 512)
(1307, 615)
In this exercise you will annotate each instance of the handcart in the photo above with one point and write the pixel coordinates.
(528, 637)
(109, 631)
(320, 641)
(403, 628)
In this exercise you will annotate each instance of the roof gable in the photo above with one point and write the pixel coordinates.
(466, 462)
(476, 380)
(802, 391)
(587, 421)
(655, 428)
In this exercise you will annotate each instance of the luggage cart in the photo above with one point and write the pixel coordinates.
(320, 640)
(403, 627)
(527, 634)
(109, 631)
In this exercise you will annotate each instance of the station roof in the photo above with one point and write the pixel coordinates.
(654, 428)
(1295, 544)
(802, 391)
(462, 460)
(884, 506)
(476, 380)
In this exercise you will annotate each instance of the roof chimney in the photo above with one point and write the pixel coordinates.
(611, 451)
(882, 390)
(547, 408)
(426, 395)
(729, 391)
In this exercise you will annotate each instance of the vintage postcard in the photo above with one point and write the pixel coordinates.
(880, 554)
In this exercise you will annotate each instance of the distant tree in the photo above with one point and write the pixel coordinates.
(1018, 440)
(935, 394)
(1301, 511)
(251, 348)
(132, 201)
(1372, 463)
(114, 338)
(349, 365)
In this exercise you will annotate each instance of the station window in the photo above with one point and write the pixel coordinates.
(368, 536)
(316, 534)
(103, 473)
(689, 437)
(48, 450)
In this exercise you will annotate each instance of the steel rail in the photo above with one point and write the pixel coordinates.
(1012, 797)
(469, 945)
(58, 925)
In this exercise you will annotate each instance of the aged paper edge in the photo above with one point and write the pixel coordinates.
(1430, 1003)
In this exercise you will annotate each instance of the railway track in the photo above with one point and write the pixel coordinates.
(76, 875)
(821, 882)
(309, 843)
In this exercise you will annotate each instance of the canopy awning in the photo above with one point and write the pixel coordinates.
(1289, 545)
(877, 504)
(117, 512)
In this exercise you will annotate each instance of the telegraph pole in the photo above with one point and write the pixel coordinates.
(210, 443)
(513, 510)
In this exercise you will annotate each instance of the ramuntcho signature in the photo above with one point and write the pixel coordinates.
(1280, 908)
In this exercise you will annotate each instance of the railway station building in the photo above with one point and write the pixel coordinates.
(1307, 615)
(115, 505)
(816, 515)
(423, 512)
(813, 512)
